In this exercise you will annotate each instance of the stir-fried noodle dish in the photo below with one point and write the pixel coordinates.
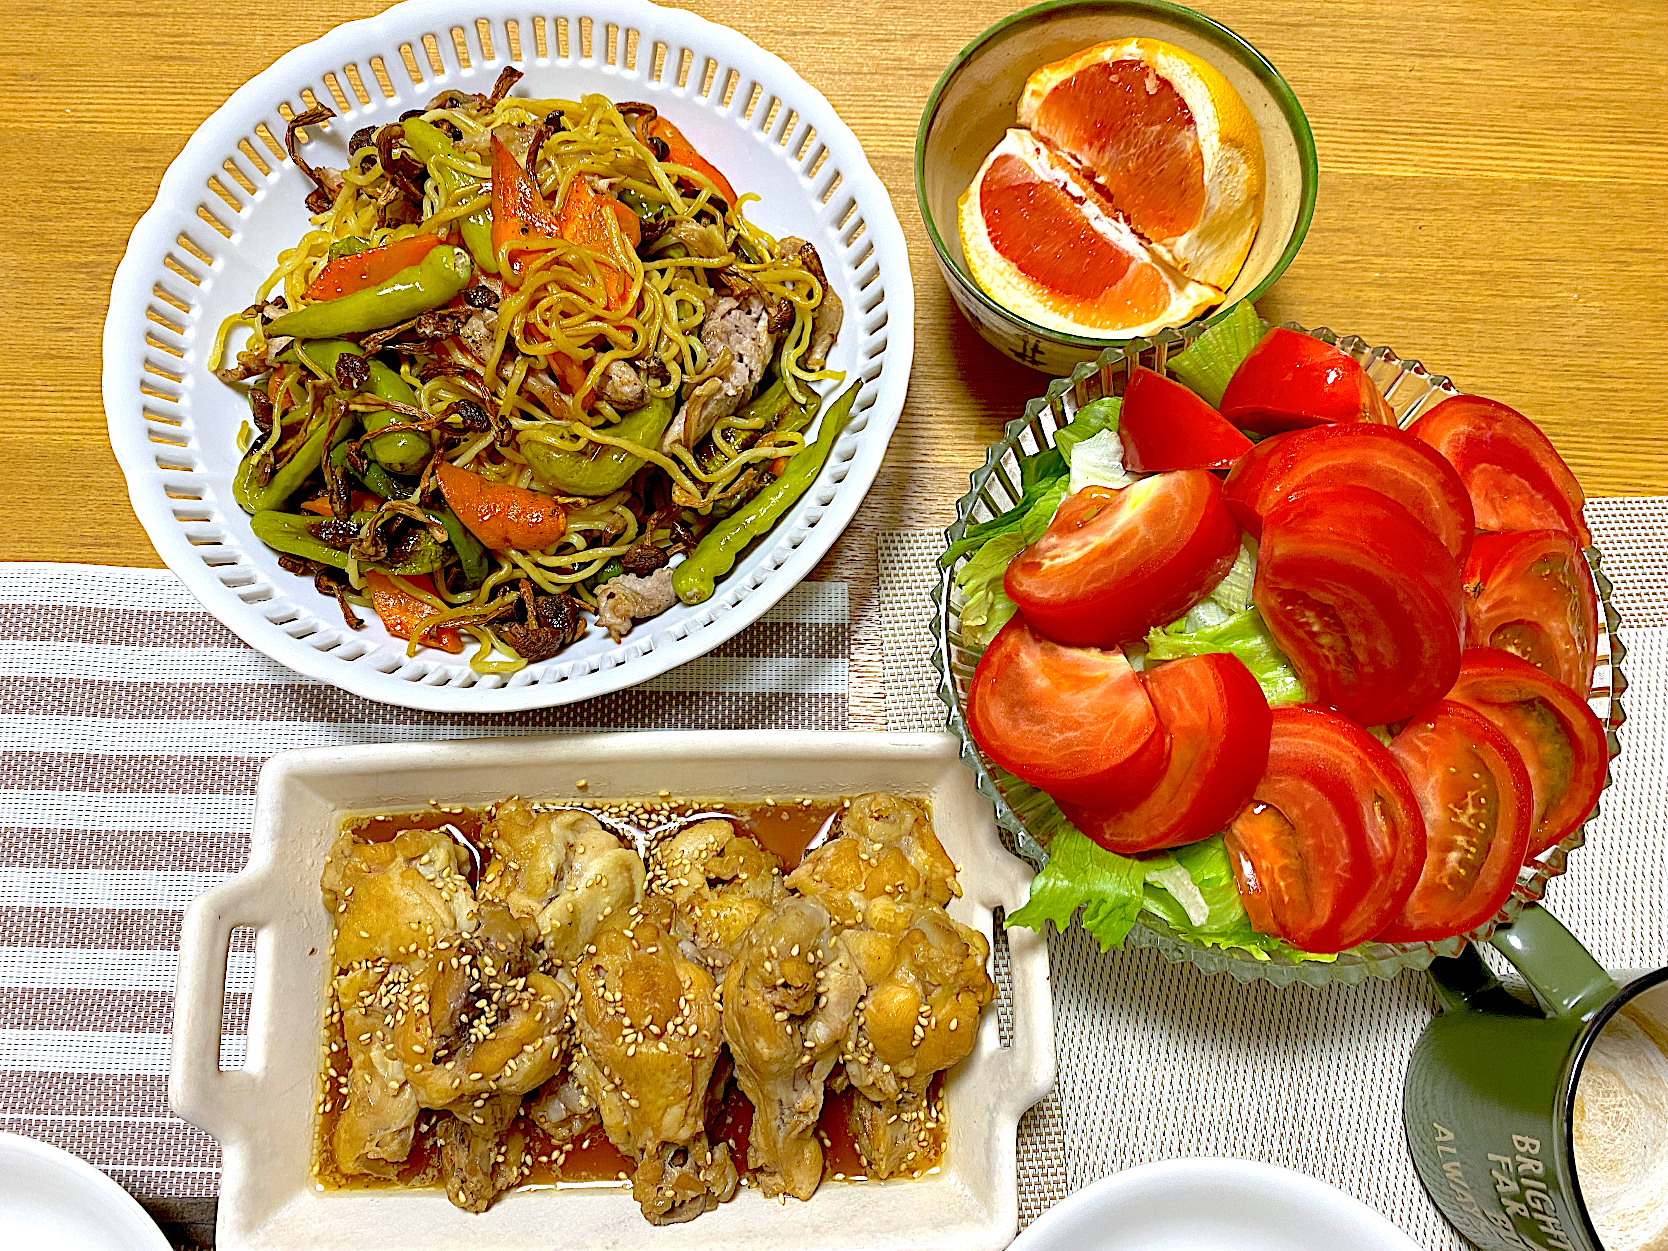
(530, 366)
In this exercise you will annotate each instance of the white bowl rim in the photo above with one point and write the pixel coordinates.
(774, 567)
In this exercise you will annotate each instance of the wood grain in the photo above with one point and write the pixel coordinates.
(1491, 202)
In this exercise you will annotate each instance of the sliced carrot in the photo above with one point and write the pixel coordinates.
(348, 274)
(520, 211)
(401, 613)
(500, 515)
(630, 223)
(358, 501)
(682, 152)
(570, 371)
(585, 220)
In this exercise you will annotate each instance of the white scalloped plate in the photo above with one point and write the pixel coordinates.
(232, 200)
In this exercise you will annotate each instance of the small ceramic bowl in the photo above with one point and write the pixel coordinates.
(976, 101)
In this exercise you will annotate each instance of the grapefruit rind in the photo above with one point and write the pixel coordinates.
(1214, 250)
(1026, 297)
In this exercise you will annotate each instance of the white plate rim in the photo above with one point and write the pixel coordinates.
(116, 1199)
(1185, 1175)
(772, 569)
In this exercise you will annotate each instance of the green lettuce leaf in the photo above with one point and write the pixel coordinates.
(1210, 360)
(1190, 888)
(1025, 513)
(1090, 420)
(1244, 634)
(1082, 874)
(1207, 908)
(1099, 461)
(988, 607)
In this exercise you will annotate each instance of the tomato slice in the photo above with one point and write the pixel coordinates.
(1475, 795)
(1113, 564)
(1073, 721)
(1292, 380)
(1516, 479)
(1560, 740)
(1217, 720)
(1362, 599)
(1164, 425)
(1331, 844)
(1531, 594)
(1380, 458)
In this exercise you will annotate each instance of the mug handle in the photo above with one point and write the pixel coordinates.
(1567, 981)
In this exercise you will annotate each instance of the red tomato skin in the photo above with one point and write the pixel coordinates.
(1113, 564)
(1516, 479)
(1163, 425)
(1355, 827)
(1520, 700)
(1531, 593)
(1385, 459)
(1432, 750)
(1217, 720)
(1073, 721)
(1348, 565)
(1292, 380)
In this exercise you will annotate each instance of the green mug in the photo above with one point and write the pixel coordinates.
(1489, 1104)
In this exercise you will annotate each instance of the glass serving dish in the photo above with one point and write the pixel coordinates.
(1411, 389)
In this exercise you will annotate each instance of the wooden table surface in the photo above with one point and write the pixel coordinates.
(1491, 202)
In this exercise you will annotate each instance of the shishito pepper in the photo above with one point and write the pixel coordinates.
(429, 144)
(472, 556)
(600, 469)
(288, 477)
(402, 613)
(500, 515)
(374, 476)
(297, 534)
(715, 555)
(434, 281)
(403, 451)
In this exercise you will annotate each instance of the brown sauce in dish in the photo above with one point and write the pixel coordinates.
(788, 827)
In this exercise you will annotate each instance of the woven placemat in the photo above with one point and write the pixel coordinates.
(1158, 1061)
(134, 727)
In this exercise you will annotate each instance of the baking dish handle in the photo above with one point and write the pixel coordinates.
(212, 1099)
(1031, 1059)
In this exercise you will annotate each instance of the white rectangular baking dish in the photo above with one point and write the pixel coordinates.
(262, 1114)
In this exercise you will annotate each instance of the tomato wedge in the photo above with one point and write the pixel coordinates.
(1531, 594)
(1560, 740)
(1380, 458)
(1113, 564)
(1073, 721)
(1516, 479)
(1164, 425)
(1331, 844)
(1292, 380)
(1217, 720)
(1475, 795)
(1362, 599)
